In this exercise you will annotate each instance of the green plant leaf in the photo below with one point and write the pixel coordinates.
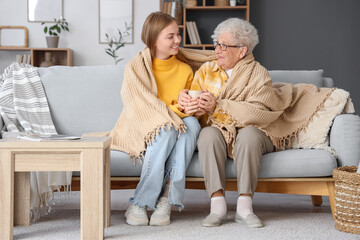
(45, 29)
(119, 60)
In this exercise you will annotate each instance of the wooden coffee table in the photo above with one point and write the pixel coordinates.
(90, 156)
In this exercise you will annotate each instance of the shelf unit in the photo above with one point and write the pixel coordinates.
(207, 16)
(60, 56)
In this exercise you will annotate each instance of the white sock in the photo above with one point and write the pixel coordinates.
(244, 206)
(218, 206)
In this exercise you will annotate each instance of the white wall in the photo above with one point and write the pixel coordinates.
(83, 38)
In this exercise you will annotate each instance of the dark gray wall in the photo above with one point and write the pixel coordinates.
(311, 34)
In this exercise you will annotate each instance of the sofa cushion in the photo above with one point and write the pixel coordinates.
(288, 163)
(298, 76)
(83, 99)
(121, 166)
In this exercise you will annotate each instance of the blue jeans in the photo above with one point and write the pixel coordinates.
(167, 156)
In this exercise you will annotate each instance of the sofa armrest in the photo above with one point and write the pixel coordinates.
(345, 139)
(328, 82)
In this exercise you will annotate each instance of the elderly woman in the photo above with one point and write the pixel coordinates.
(243, 117)
(234, 40)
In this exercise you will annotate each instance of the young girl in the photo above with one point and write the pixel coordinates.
(152, 127)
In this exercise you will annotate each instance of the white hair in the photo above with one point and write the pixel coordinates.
(242, 31)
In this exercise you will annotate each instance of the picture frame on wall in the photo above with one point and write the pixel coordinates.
(13, 36)
(45, 10)
(115, 15)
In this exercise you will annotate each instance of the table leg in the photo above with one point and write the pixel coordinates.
(92, 194)
(22, 199)
(107, 188)
(7, 195)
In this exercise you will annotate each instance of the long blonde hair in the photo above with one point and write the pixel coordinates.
(152, 27)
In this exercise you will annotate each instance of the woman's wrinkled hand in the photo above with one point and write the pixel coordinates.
(207, 101)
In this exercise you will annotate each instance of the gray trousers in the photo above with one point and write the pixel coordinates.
(251, 143)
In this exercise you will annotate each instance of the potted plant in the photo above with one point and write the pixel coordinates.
(52, 39)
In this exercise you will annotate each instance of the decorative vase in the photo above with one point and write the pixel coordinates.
(232, 3)
(190, 3)
(52, 42)
(221, 3)
(47, 61)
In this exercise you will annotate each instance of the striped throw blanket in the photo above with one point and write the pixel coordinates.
(23, 104)
(24, 109)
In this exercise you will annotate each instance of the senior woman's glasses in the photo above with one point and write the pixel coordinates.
(223, 47)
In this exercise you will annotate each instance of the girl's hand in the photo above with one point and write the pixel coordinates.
(199, 112)
(183, 98)
(192, 106)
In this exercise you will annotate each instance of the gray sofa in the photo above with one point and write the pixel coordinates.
(87, 99)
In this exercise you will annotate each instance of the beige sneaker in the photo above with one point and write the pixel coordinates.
(213, 220)
(161, 215)
(251, 220)
(136, 216)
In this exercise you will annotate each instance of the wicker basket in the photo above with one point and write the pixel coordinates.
(347, 199)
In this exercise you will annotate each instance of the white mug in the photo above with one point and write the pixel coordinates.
(194, 94)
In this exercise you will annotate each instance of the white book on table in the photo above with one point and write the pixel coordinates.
(38, 138)
(28, 60)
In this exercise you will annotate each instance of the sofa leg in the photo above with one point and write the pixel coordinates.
(316, 200)
(331, 190)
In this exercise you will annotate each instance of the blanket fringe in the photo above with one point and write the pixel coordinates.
(48, 199)
(282, 143)
(151, 137)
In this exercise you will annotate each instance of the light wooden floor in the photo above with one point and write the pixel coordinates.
(197, 200)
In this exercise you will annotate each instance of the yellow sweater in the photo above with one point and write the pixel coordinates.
(171, 76)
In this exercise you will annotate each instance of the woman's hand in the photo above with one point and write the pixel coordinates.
(199, 112)
(183, 98)
(192, 106)
(207, 102)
